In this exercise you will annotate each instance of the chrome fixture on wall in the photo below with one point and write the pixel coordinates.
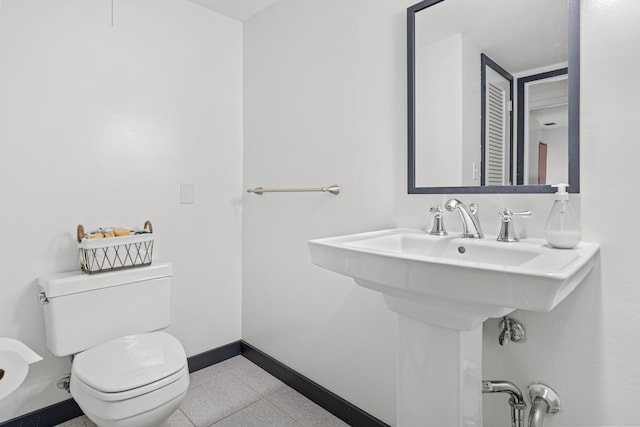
(543, 401)
(516, 400)
(333, 189)
(511, 330)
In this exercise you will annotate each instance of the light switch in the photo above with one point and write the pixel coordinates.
(187, 191)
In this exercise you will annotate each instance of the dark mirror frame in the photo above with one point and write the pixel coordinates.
(574, 112)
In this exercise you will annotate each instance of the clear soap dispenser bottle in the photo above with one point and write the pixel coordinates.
(562, 229)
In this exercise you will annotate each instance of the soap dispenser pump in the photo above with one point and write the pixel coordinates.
(562, 229)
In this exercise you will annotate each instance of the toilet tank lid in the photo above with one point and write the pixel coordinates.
(73, 282)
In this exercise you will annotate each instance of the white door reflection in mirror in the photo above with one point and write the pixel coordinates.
(546, 122)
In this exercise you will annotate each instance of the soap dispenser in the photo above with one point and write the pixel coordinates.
(562, 229)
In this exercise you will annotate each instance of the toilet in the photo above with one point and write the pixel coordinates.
(126, 371)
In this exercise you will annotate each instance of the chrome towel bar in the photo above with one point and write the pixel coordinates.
(333, 189)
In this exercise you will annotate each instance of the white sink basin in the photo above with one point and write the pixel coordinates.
(454, 282)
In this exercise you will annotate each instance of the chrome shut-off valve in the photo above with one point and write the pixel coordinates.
(511, 330)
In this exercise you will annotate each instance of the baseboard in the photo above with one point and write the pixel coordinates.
(47, 417)
(211, 357)
(67, 410)
(331, 402)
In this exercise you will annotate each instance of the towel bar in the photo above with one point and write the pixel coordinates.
(333, 189)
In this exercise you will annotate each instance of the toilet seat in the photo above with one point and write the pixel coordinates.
(130, 363)
(129, 394)
(129, 376)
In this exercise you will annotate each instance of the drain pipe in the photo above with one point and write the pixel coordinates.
(516, 401)
(543, 401)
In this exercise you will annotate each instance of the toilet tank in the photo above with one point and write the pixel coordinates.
(83, 310)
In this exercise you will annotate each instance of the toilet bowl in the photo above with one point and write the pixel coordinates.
(125, 371)
(138, 380)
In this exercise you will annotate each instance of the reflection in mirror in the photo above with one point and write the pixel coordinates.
(543, 120)
(469, 129)
(496, 137)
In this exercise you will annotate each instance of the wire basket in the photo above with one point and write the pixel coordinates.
(115, 253)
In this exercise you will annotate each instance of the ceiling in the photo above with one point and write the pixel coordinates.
(520, 35)
(240, 10)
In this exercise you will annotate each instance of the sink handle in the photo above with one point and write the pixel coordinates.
(507, 213)
(438, 222)
(437, 211)
(507, 234)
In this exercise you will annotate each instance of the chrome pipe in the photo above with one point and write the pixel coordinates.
(516, 400)
(333, 189)
(544, 400)
(538, 410)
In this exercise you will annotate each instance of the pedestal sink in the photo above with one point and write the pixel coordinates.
(443, 288)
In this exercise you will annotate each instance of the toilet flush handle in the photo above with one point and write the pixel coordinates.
(42, 298)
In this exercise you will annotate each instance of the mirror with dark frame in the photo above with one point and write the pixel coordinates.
(493, 96)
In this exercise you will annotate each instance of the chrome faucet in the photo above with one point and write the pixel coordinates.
(469, 216)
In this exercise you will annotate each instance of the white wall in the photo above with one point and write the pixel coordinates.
(531, 151)
(439, 109)
(471, 112)
(99, 125)
(325, 102)
(447, 86)
(557, 153)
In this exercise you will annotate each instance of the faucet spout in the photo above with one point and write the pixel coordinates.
(469, 215)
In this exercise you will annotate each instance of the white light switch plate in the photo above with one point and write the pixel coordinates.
(187, 191)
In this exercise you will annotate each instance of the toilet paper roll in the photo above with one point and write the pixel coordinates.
(13, 369)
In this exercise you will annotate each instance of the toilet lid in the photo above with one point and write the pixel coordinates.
(129, 362)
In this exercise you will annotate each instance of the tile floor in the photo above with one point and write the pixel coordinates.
(238, 393)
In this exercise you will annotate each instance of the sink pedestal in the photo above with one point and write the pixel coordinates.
(439, 375)
(439, 369)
